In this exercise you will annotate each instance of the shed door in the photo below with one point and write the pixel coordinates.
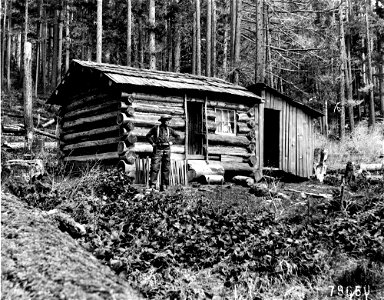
(195, 128)
(271, 137)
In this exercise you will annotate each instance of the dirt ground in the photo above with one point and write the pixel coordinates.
(38, 261)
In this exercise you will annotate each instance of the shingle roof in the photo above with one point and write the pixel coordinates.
(160, 79)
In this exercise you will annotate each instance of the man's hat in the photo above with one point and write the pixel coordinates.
(165, 117)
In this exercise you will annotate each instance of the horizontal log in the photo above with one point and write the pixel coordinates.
(146, 147)
(98, 156)
(243, 180)
(149, 120)
(165, 108)
(113, 130)
(243, 128)
(211, 114)
(87, 120)
(113, 140)
(212, 179)
(21, 145)
(50, 122)
(226, 105)
(243, 117)
(86, 99)
(163, 104)
(160, 98)
(19, 128)
(91, 110)
(235, 151)
(127, 108)
(237, 167)
(232, 158)
(234, 140)
(142, 132)
(44, 133)
(371, 167)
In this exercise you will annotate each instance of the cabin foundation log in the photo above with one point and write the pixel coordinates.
(92, 157)
(88, 144)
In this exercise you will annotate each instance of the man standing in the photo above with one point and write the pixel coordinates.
(159, 138)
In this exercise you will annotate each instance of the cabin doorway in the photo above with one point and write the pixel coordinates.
(195, 128)
(271, 138)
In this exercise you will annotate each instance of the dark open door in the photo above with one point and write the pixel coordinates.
(195, 128)
(271, 138)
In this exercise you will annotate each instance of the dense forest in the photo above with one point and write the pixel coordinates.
(327, 54)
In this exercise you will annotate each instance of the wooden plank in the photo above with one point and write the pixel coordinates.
(280, 140)
(299, 139)
(256, 134)
(287, 137)
(293, 140)
(282, 133)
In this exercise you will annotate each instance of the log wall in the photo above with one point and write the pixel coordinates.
(296, 140)
(106, 126)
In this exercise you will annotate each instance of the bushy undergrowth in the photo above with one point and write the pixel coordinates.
(158, 240)
(363, 145)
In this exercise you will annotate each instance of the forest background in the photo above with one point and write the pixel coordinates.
(326, 54)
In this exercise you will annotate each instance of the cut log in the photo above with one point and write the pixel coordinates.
(148, 120)
(233, 140)
(128, 110)
(13, 128)
(91, 110)
(129, 138)
(370, 167)
(243, 180)
(236, 167)
(251, 123)
(243, 128)
(98, 156)
(235, 151)
(129, 156)
(251, 147)
(127, 98)
(147, 148)
(232, 158)
(112, 130)
(127, 168)
(212, 179)
(87, 120)
(158, 109)
(225, 105)
(251, 135)
(169, 99)
(243, 117)
(122, 148)
(253, 160)
(85, 100)
(87, 144)
(47, 134)
(198, 168)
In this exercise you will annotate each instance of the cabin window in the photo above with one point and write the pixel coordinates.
(225, 121)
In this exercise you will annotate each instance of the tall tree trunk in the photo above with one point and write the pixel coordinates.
(369, 68)
(342, 77)
(349, 73)
(214, 41)
(9, 38)
(209, 39)
(3, 43)
(260, 47)
(44, 36)
(233, 37)
(140, 34)
(55, 48)
(60, 46)
(194, 44)
(27, 83)
(177, 42)
(198, 38)
(67, 36)
(129, 33)
(99, 31)
(152, 45)
(237, 42)
(381, 72)
(170, 44)
(225, 42)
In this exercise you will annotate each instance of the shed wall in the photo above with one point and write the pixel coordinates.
(296, 144)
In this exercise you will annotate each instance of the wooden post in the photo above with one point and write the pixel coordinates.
(99, 33)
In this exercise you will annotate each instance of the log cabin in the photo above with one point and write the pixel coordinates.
(106, 111)
(287, 132)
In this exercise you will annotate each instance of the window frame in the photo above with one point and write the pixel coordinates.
(229, 111)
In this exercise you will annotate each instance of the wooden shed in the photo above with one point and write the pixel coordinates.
(286, 130)
(106, 111)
